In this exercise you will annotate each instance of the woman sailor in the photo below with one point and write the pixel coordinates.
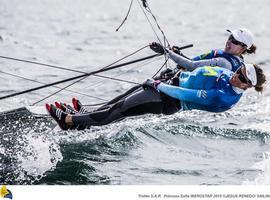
(239, 43)
(212, 89)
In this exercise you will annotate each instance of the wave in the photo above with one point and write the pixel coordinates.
(33, 151)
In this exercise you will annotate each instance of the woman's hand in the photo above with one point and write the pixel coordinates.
(156, 47)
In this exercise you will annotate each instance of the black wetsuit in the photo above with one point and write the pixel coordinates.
(136, 101)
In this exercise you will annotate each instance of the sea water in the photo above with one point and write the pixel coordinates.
(191, 147)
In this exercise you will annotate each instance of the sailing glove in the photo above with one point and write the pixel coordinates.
(167, 74)
(176, 50)
(150, 84)
(156, 47)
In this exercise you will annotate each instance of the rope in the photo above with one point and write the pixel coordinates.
(97, 84)
(165, 63)
(125, 19)
(77, 81)
(35, 81)
(86, 75)
(147, 8)
(149, 22)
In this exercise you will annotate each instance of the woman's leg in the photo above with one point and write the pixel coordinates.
(120, 97)
(138, 103)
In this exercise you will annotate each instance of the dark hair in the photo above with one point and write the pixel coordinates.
(251, 50)
(261, 79)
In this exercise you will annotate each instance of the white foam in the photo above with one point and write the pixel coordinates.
(39, 156)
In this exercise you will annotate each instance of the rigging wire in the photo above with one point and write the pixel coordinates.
(97, 84)
(125, 19)
(151, 25)
(108, 67)
(67, 87)
(147, 8)
(131, 54)
(66, 68)
(64, 89)
(61, 89)
(117, 79)
(79, 80)
(101, 82)
(61, 68)
(165, 63)
(40, 64)
(35, 81)
(79, 76)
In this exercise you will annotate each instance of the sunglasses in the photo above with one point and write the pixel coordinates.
(234, 41)
(242, 77)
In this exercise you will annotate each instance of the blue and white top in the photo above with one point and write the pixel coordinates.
(206, 88)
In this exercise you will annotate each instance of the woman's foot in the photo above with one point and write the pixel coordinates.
(66, 108)
(58, 115)
(78, 106)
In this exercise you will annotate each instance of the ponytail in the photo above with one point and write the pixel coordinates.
(259, 88)
(251, 50)
(261, 79)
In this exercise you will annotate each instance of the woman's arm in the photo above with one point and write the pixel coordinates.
(204, 97)
(190, 65)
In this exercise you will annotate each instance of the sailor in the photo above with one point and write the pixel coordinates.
(240, 42)
(212, 89)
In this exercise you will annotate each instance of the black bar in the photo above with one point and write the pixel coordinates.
(185, 47)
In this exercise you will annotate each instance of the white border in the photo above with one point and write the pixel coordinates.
(142, 192)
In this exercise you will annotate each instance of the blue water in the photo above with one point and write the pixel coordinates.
(186, 148)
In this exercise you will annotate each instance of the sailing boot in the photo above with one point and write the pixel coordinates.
(66, 108)
(78, 106)
(58, 115)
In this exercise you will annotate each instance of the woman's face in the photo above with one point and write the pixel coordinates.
(240, 80)
(234, 47)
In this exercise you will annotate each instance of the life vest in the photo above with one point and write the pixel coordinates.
(235, 61)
